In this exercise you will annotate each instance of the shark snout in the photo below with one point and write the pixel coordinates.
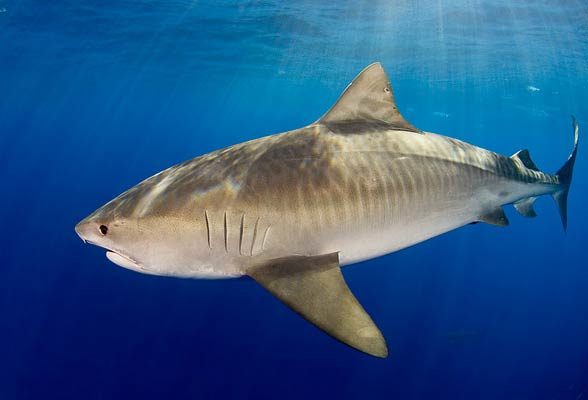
(89, 231)
(82, 229)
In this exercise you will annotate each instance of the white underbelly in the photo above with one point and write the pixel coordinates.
(377, 242)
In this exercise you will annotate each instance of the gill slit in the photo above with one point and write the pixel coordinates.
(226, 233)
(241, 234)
(207, 228)
(254, 235)
(265, 234)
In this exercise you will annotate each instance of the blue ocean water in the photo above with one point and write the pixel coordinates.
(96, 96)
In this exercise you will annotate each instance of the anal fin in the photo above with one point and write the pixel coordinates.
(314, 287)
(495, 217)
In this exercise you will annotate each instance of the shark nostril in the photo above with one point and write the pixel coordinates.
(103, 229)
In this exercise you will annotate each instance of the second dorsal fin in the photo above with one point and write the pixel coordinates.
(368, 100)
(524, 158)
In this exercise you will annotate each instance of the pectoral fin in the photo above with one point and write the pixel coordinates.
(314, 287)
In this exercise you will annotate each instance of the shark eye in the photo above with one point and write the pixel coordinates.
(103, 229)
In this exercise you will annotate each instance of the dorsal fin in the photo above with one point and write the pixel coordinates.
(368, 100)
(525, 158)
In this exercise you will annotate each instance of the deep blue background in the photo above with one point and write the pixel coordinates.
(97, 95)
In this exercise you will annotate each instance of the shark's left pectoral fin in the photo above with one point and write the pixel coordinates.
(314, 287)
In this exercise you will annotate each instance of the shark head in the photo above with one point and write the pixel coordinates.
(143, 231)
(123, 236)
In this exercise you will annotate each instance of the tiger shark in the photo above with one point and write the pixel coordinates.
(289, 210)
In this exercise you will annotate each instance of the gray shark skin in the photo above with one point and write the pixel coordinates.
(289, 210)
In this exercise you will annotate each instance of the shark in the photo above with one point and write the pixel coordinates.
(290, 209)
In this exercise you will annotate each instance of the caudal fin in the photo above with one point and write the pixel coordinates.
(565, 178)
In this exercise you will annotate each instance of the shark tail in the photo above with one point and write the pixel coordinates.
(565, 178)
(562, 178)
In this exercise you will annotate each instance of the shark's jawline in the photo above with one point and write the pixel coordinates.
(125, 262)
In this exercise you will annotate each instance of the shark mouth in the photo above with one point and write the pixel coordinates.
(125, 262)
(122, 260)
